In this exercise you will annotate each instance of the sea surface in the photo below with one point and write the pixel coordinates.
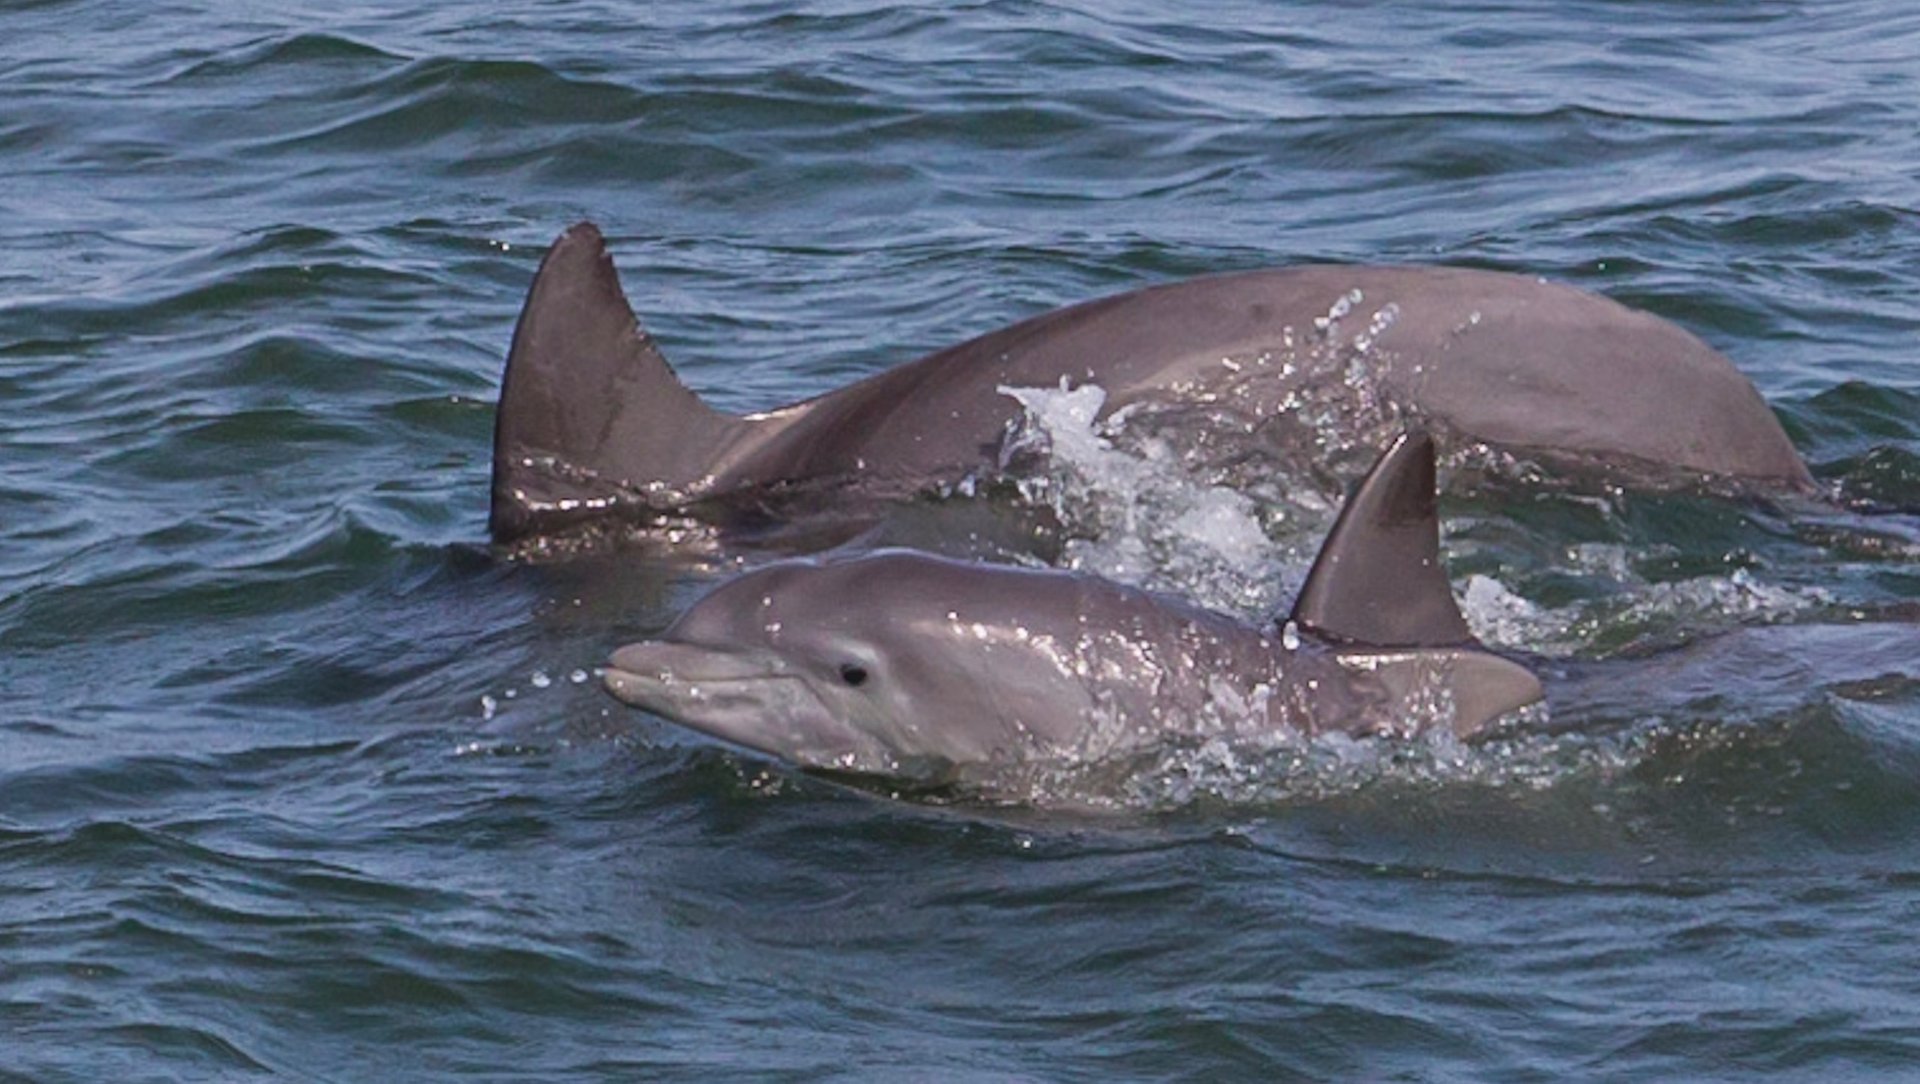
(299, 779)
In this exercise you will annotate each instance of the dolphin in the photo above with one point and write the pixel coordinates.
(935, 670)
(1312, 366)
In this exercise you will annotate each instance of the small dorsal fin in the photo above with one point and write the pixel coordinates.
(588, 406)
(1378, 579)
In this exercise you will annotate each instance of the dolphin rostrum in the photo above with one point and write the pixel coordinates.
(908, 665)
(593, 425)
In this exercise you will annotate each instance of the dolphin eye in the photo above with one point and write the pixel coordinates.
(853, 674)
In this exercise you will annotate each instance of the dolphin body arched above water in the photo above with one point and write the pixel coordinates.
(1299, 364)
(903, 664)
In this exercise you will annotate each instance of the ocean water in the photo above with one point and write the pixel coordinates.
(298, 779)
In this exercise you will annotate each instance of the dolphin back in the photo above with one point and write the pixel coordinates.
(1379, 595)
(1378, 579)
(591, 415)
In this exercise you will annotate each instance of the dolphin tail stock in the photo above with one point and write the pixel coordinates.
(1379, 593)
(591, 415)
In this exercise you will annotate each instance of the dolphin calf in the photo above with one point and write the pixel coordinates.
(1304, 367)
(903, 664)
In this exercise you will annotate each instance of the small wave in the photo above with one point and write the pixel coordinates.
(263, 564)
(233, 443)
(283, 58)
(440, 98)
(181, 294)
(54, 782)
(1855, 415)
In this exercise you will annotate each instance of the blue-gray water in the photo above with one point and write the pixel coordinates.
(296, 779)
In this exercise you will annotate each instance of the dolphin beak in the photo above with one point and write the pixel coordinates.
(667, 677)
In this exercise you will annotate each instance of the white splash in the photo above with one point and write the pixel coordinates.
(1704, 604)
(1496, 615)
(1135, 514)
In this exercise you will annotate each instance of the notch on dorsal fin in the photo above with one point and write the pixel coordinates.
(588, 406)
(1378, 579)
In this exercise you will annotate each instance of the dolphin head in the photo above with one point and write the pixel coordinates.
(897, 664)
(803, 705)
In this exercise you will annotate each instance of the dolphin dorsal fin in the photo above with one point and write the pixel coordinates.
(589, 407)
(1378, 579)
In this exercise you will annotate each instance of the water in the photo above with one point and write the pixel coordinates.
(296, 779)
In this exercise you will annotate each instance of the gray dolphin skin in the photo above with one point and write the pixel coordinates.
(593, 425)
(908, 665)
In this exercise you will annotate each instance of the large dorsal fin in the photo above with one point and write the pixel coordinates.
(588, 406)
(1378, 579)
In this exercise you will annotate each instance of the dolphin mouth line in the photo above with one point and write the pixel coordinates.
(697, 679)
(693, 685)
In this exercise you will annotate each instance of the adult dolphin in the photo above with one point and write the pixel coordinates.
(1305, 362)
(909, 665)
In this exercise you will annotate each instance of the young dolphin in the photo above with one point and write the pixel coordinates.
(908, 665)
(594, 426)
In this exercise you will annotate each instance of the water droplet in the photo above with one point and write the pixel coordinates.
(540, 680)
(488, 706)
(578, 677)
